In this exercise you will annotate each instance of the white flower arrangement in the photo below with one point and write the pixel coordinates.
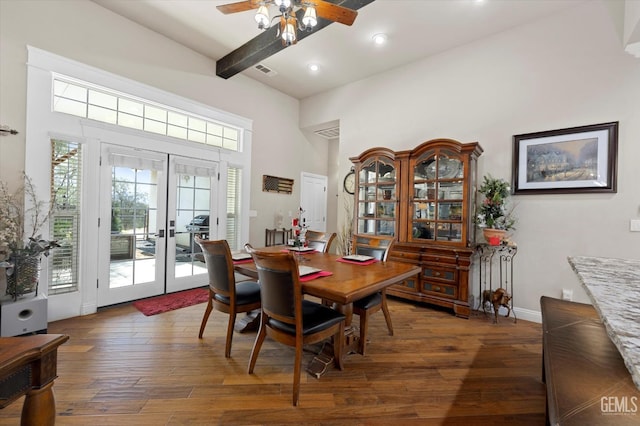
(13, 238)
(15, 245)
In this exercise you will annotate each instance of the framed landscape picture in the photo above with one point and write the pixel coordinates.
(573, 160)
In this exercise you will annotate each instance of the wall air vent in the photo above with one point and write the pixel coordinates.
(265, 70)
(329, 133)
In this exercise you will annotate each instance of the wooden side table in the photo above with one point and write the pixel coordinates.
(277, 236)
(28, 367)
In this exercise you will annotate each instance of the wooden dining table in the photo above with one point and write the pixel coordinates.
(347, 282)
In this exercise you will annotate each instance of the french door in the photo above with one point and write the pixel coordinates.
(193, 187)
(156, 204)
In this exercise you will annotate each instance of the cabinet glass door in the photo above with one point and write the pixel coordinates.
(438, 197)
(377, 198)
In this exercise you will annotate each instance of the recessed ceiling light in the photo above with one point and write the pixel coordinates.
(380, 38)
(313, 67)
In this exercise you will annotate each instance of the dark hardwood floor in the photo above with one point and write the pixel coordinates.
(122, 368)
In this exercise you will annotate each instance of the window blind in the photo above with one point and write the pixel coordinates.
(234, 176)
(66, 180)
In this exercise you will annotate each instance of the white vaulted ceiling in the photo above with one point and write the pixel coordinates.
(416, 29)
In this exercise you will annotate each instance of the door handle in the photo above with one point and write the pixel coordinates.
(161, 233)
(172, 233)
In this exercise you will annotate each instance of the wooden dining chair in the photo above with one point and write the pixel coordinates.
(377, 246)
(321, 241)
(225, 294)
(286, 317)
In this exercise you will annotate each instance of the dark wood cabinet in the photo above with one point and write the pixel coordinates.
(377, 193)
(425, 197)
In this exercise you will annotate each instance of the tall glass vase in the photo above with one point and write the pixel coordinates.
(22, 277)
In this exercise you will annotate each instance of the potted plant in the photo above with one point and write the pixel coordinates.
(20, 253)
(495, 214)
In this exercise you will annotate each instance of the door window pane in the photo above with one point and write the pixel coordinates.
(192, 219)
(133, 210)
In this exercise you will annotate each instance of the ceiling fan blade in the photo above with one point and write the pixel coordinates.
(240, 6)
(334, 12)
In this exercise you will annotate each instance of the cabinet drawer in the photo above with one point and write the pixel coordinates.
(440, 273)
(410, 284)
(443, 290)
(436, 258)
(405, 256)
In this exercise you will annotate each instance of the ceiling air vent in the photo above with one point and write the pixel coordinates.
(265, 70)
(329, 133)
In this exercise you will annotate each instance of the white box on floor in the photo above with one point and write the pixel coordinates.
(23, 316)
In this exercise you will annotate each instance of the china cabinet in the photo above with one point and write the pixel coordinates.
(376, 192)
(425, 197)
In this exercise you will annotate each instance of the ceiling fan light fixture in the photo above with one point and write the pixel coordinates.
(310, 18)
(262, 17)
(288, 30)
(283, 5)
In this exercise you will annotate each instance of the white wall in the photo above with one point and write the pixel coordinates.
(564, 71)
(85, 32)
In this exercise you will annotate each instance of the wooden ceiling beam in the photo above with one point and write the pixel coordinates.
(268, 43)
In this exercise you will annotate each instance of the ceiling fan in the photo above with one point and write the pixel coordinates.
(297, 19)
(288, 21)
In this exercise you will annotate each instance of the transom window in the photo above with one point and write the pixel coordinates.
(108, 106)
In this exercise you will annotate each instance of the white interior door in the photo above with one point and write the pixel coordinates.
(192, 211)
(313, 200)
(133, 188)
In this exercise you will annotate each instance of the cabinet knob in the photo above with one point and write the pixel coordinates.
(437, 274)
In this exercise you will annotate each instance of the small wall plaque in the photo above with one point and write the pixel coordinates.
(277, 184)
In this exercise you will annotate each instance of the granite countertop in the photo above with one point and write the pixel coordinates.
(614, 288)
